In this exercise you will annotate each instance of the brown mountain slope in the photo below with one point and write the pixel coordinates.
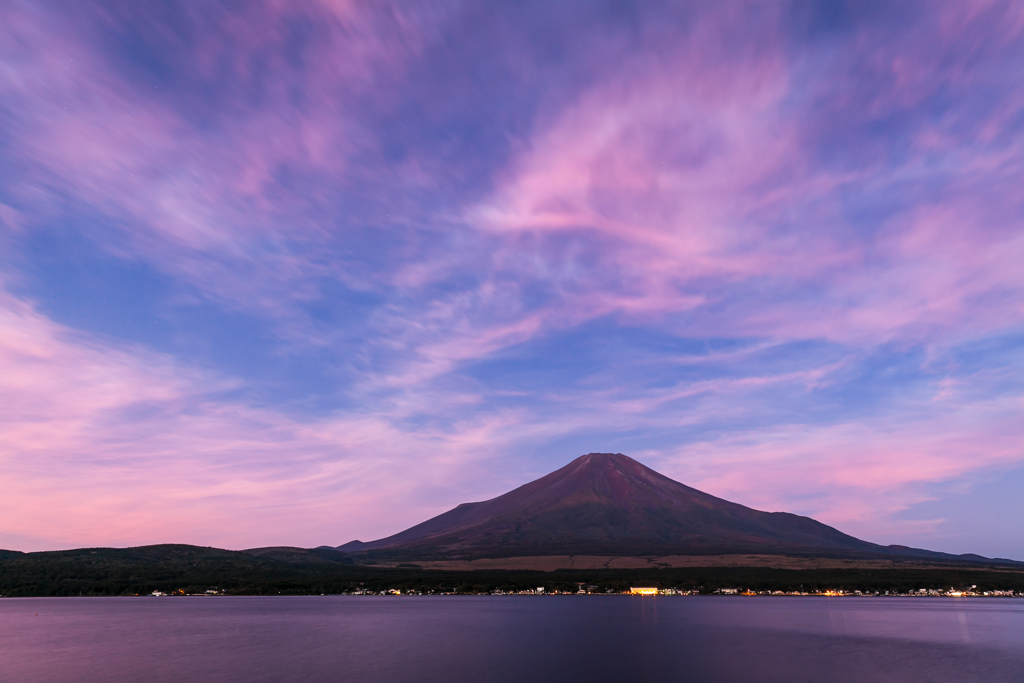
(610, 504)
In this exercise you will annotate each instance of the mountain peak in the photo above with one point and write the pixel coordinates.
(607, 461)
(603, 458)
(610, 504)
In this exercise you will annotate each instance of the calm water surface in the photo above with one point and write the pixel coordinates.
(530, 639)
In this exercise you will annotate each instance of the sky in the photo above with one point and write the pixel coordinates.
(301, 272)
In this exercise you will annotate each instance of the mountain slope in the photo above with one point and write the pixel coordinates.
(605, 503)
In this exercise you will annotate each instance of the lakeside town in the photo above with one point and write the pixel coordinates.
(646, 591)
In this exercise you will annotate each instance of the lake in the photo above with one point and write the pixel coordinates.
(511, 638)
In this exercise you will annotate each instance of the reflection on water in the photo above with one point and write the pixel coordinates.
(524, 638)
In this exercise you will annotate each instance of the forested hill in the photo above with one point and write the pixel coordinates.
(184, 569)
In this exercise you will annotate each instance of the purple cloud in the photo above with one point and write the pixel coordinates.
(268, 268)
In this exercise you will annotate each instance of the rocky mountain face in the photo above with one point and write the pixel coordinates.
(610, 504)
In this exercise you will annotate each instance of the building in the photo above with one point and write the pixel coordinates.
(643, 591)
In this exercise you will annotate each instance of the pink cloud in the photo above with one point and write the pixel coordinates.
(694, 191)
(116, 446)
(109, 445)
(693, 176)
(204, 204)
(855, 475)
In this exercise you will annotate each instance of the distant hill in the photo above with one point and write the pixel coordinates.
(177, 569)
(171, 567)
(610, 504)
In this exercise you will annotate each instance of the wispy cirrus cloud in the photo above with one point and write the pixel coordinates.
(211, 141)
(850, 474)
(703, 179)
(107, 444)
(419, 253)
